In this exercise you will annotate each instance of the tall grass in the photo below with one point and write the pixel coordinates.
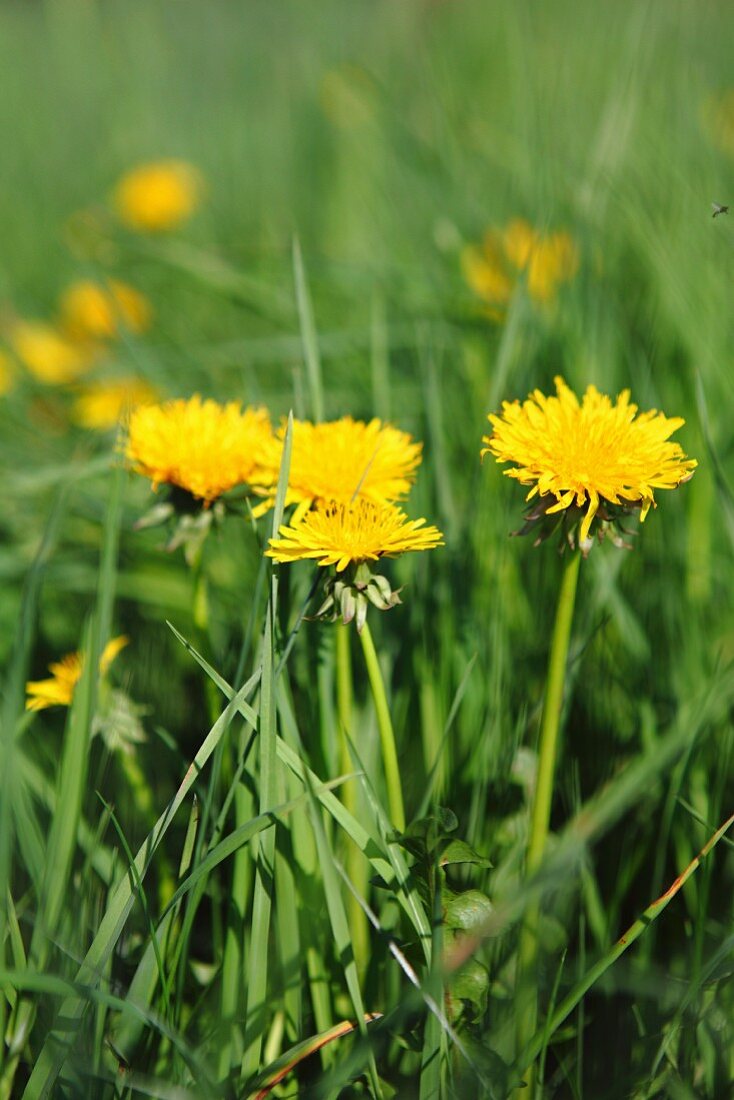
(229, 911)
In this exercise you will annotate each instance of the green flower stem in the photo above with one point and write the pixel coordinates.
(356, 865)
(387, 735)
(527, 984)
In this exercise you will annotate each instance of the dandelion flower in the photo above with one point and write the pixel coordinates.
(6, 373)
(91, 311)
(342, 534)
(102, 405)
(492, 270)
(341, 460)
(201, 446)
(58, 690)
(157, 197)
(48, 355)
(584, 453)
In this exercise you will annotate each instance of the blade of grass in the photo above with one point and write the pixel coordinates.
(308, 335)
(257, 974)
(653, 911)
(53, 1053)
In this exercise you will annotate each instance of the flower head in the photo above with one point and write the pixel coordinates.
(587, 452)
(339, 534)
(6, 373)
(58, 690)
(154, 198)
(717, 116)
(102, 405)
(342, 460)
(200, 446)
(493, 268)
(48, 355)
(90, 311)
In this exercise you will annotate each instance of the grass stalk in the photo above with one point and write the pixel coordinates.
(527, 983)
(355, 863)
(387, 734)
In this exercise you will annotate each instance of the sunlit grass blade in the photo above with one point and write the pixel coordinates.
(257, 971)
(55, 1049)
(337, 913)
(653, 911)
(288, 1061)
(308, 336)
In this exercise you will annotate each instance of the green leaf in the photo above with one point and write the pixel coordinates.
(467, 911)
(458, 851)
(472, 985)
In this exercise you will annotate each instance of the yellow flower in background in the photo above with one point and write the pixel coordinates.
(717, 117)
(102, 405)
(58, 690)
(590, 452)
(7, 374)
(492, 269)
(340, 460)
(486, 273)
(339, 534)
(94, 311)
(201, 446)
(157, 197)
(48, 355)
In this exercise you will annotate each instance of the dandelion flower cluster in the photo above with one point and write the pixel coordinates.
(198, 445)
(158, 197)
(90, 311)
(58, 690)
(342, 460)
(493, 268)
(587, 452)
(341, 534)
(49, 355)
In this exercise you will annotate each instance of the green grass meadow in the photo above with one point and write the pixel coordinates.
(175, 916)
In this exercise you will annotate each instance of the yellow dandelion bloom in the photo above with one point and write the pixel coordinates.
(343, 459)
(587, 452)
(157, 197)
(717, 116)
(48, 355)
(339, 534)
(7, 374)
(485, 272)
(492, 270)
(90, 311)
(102, 405)
(201, 446)
(58, 690)
(520, 241)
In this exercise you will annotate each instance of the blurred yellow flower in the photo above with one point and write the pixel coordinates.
(102, 405)
(48, 355)
(341, 460)
(717, 116)
(201, 446)
(93, 311)
(493, 268)
(585, 453)
(156, 197)
(339, 534)
(58, 690)
(7, 373)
